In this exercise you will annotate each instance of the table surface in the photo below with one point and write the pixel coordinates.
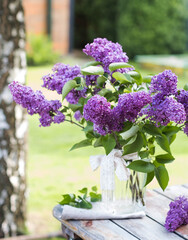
(150, 227)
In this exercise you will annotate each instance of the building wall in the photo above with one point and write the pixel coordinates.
(61, 24)
(36, 21)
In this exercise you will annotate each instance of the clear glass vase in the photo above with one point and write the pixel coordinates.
(125, 196)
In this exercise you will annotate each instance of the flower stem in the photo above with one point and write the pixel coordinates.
(118, 145)
(74, 123)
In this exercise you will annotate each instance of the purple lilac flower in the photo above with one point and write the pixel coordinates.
(62, 73)
(77, 115)
(178, 214)
(74, 95)
(130, 104)
(106, 52)
(59, 117)
(91, 80)
(182, 97)
(98, 111)
(165, 83)
(164, 110)
(35, 103)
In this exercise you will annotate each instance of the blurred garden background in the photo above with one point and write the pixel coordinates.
(154, 34)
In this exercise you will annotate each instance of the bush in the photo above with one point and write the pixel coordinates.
(152, 26)
(40, 51)
(142, 27)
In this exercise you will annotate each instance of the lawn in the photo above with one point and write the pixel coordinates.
(52, 170)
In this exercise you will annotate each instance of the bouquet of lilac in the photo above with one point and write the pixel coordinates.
(115, 106)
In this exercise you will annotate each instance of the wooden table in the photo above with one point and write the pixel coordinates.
(148, 228)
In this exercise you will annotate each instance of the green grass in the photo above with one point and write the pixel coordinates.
(53, 170)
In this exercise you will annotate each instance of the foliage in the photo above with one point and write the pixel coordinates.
(40, 51)
(152, 26)
(41, 168)
(83, 201)
(142, 27)
(120, 112)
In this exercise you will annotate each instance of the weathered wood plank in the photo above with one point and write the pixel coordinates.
(157, 206)
(94, 230)
(150, 227)
(146, 229)
(173, 191)
(98, 230)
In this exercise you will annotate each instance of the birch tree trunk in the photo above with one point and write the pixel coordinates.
(13, 124)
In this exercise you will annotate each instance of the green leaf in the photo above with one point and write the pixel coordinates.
(67, 198)
(83, 143)
(118, 65)
(152, 129)
(101, 80)
(89, 127)
(108, 143)
(131, 140)
(84, 191)
(92, 70)
(135, 146)
(77, 79)
(92, 63)
(98, 142)
(68, 87)
(84, 203)
(95, 197)
(144, 154)
(129, 133)
(164, 158)
(136, 75)
(162, 176)
(149, 178)
(171, 138)
(185, 87)
(162, 141)
(74, 107)
(120, 77)
(144, 139)
(94, 188)
(141, 166)
(104, 91)
(170, 130)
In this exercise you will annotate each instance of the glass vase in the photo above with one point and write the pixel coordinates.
(123, 196)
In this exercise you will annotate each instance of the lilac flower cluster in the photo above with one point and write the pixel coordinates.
(77, 115)
(163, 111)
(63, 73)
(106, 120)
(98, 111)
(178, 214)
(35, 103)
(74, 95)
(164, 83)
(164, 107)
(182, 97)
(130, 104)
(106, 52)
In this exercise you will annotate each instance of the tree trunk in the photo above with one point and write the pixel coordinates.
(13, 123)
